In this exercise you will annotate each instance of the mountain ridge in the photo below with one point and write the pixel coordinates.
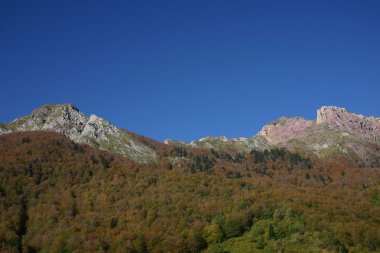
(334, 132)
(210, 195)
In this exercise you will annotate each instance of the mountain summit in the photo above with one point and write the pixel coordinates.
(92, 130)
(335, 132)
(339, 118)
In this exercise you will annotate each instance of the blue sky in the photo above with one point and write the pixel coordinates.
(188, 69)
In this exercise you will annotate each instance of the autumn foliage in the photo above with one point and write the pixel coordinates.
(58, 196)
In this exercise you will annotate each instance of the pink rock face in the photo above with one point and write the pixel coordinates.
(358, 125)
(285, 129)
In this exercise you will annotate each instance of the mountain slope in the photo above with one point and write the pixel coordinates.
(59, 196)
(92, 130)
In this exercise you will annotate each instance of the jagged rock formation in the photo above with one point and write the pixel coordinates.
(367, 128)
(92, 130)
(335, 132)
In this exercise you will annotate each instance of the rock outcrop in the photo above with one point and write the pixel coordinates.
(92, 130)
(285, 129)
(367, 128)
(335, 132)
(233, 144)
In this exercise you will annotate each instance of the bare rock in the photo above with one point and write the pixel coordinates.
(92, 130)
(285, 129)
(365, 127)
(335, 132)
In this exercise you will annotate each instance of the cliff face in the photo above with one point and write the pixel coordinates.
(367, 128)
(336, 132)
(92, 130)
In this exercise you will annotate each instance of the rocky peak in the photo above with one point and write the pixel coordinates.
(329, 113)
(46, 109)
(64, 113)
(63, 118)
(335, 132)
(92, 130)
(340, 118)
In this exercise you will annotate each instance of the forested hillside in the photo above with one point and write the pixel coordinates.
(58, 196)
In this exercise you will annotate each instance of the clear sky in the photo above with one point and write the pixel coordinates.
(188, 69)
